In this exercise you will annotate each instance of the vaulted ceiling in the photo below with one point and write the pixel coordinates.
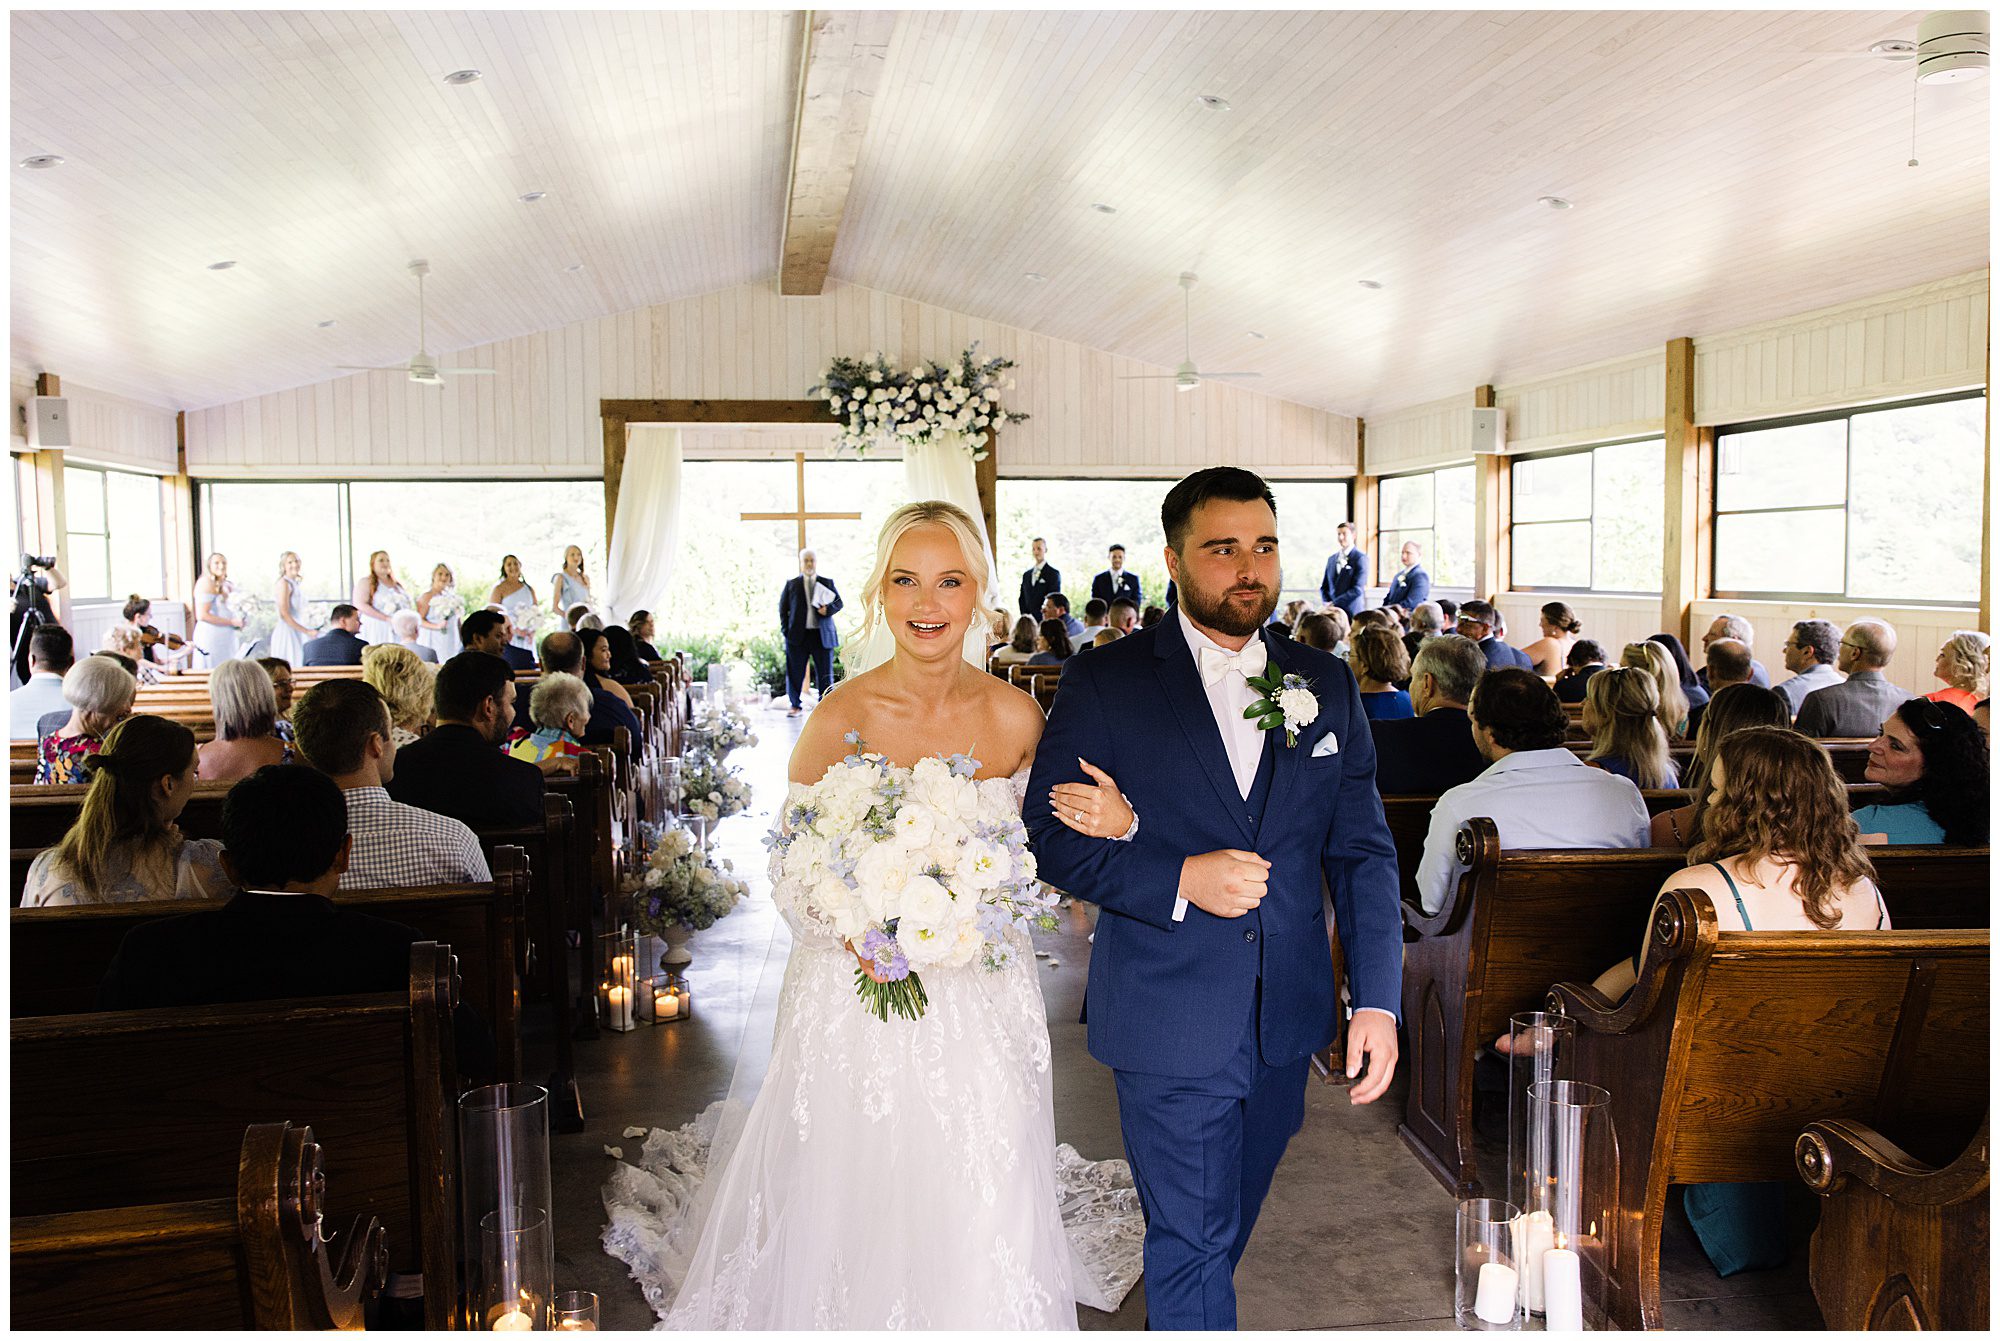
(1724, 168)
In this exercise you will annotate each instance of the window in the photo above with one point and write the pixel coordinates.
(1591, 520)
(1433, 509)
(1874, 504)
(116, 542)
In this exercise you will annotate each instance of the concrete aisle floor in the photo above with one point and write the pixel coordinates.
(1355, 1234)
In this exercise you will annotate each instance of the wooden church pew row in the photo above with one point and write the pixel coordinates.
(545, 897)
(1850, 757)
(1518, 921)
(593, 885)
(251, 1258)
(148, 1106)
(58, 956)
(1902, 1245)
(42, 815)
(1731, 1042)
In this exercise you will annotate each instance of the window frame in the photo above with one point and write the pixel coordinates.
(1590, 449)
(1845, 415)
(1385, 568)
(71, 535)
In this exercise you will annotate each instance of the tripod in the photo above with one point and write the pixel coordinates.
(28, 611)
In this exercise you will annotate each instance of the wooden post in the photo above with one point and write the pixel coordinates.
(987, 475)
(1365, 510)
(50, 506)
(177, 521)
(1490, 509)
(615, 439)
(1684, 564)
(1986, 503)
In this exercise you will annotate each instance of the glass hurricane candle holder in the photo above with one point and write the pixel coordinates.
(1488, 1297)
(1573, 1181)
(504, 1192)
(1540, 1052)
(618, 953)
(575, 1311)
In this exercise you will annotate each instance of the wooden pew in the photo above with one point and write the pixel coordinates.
(1730, 1042)
(252, 1257)
(58, 956)
(148, 1106)
(1901, 1245)
(42, 815)
(1518, 921)
(547, 897)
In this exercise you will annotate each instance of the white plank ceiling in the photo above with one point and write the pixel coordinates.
(1724, 172)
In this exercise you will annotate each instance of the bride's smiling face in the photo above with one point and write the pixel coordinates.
(928, 594)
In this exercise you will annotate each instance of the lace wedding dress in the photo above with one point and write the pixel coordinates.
(889, 1174)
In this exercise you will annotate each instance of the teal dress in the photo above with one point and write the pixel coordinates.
(1907, 825)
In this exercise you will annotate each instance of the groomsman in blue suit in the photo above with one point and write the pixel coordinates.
(1346, 581)
(1411, 586)
(1114, 581)
(1040, 582)
(1208, 869)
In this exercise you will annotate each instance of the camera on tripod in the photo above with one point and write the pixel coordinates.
(30, 562)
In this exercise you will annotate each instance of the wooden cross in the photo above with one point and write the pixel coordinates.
(799, 514)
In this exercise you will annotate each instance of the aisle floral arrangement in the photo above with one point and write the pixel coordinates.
(875, 399)
(727, 730)
(712, 789)
(917, 867)
(680, 885)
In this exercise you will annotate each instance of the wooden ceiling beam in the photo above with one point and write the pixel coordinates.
(841, 59)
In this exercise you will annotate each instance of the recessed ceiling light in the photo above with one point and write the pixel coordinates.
(1255, 335)
(1105, 209)
(1370, 283)
(222, 265)
(457, 77)
(324, 324)
(1033, 276)
(1555, 202)
(43, 161)
(1893, 49)
(574, 269)
(530, 197)
(1213, 102)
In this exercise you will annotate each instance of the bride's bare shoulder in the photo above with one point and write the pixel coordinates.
(1017, 715)
(822, 740)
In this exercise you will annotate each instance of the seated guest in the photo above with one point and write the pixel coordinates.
(577, 614)
(1982, 714)
(1123, 616)
(129, 643)
(1095, 613)
(406, 624)
(344, 732)
(406, 684)
(1052, 645)
(590, 622)
(1379, 661)
(281, 936)
(1538, 793)
(597, 664)
(1857, 705)
(1285, 619)
(1621, 711)
(1810, 654)
(1477, 621)
(280, 671)
(1105, 637)
(341, 644)
(564, 652)
(1549, 654)
(99, 692)
(641, 625)
(124, 846)
(51, 652)
(626, 667)
(1964, 663)
(1934, 761)
(1153, 615)
(461, 768)
(1738, 629)
(1380, 618)
(560, 710)
(1450, 608)
(999, 629)
(1658, 663)
(1691, 686)
(491, 631)
(1020, 647)
(1320, 630)
(1733, 708)
(246, 721)
(1586, 658)
(1057, 607)
(1433, 751)
(1728, 663)
(1426, 622)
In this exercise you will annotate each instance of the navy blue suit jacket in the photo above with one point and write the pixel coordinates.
(1410, 589)
(1345, 583)
(1136, 709)
(1033, 593)
(1103, 588)
(1499, 655)
(792, 612)
(335, 647)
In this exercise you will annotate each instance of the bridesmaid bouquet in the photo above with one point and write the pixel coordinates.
(917, 867)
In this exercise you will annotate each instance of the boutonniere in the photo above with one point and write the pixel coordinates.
(1286, 699)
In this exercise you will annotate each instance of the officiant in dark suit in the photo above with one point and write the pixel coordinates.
(1116, 581)
(806, 609)
(1040, 582)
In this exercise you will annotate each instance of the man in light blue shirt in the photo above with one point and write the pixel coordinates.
(50, 655)
(1539, 793)
(1810, 654)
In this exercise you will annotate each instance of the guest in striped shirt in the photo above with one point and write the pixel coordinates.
(343, 730)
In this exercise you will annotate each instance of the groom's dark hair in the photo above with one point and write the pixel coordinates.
(1228, 483)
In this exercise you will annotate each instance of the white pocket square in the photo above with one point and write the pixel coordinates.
(1327, 745)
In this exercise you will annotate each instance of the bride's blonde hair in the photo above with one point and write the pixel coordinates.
(909, 516)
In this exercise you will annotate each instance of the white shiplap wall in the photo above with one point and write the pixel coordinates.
(105, 430)
(1916, 341)
(539, 415)
(1422, 437)
(1623, 398)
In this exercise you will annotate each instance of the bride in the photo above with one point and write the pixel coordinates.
(891, 1173)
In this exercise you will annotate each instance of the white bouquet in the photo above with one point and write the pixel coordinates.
(680, 885)
(918, 868)
(713, 791)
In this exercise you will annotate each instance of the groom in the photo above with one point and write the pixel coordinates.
(1217, 898)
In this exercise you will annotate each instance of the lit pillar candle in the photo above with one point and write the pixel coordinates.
(666, 1005)
(619, 1001)
(1497, 1287)
(1562, 1275)
(1537, 1235)
(513, 1320)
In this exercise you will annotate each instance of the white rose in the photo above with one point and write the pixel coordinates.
(1299, 706)
(882, 873)
(993, 393)
(981, 866)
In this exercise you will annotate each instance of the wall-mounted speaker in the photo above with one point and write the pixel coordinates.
(1489, 432)
(48, 422)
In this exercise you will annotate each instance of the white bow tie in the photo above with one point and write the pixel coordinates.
(1216, 663)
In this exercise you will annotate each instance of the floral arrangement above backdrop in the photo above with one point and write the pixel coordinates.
(874, 399)
(680, 886)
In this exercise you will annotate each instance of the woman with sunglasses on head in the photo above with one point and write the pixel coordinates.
(1933, 759)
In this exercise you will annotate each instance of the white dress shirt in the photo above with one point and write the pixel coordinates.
(1796, 687)
(26, 705)
(1537, 798)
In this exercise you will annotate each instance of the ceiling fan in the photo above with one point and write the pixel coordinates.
(422, 367)
(1952, 46)
(1187, 377)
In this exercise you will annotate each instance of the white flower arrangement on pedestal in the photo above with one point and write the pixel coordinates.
(874, 399)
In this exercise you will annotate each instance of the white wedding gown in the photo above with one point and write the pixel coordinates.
(889, 1174)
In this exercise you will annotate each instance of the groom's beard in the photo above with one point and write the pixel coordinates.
(1227, 615)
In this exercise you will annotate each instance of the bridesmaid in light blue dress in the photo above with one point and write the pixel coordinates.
(378, 596)
(571, 585)
(438, 609)
(517, 598)
(216, 620)
(289, 632)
